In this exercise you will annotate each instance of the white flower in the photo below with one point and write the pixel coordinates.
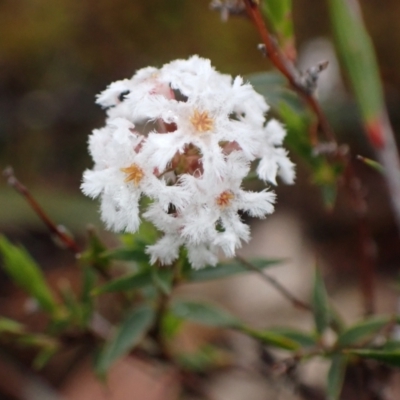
(184, 136)
(274, 160)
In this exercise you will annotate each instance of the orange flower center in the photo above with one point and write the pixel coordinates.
(224, 199)
(134, 174)
(201, 121)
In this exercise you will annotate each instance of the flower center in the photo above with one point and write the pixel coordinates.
(201, 121)
(134, 174)
(224, 199)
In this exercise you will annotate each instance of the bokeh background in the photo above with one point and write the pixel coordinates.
(55, 56)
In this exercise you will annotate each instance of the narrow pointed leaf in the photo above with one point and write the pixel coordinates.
(23, 270)
(303, 339)
(205, 358)
(10, 326)
(392, 345)
(95, 253)
(372, 163)
(137, 280)
(320, 303)
(336, 375)
(388, 357)
(356, 50)
(204, 313)
(163, 279)
(171, 325)
(329, 194)
(279, 14)
(88, 283)
(44, 357)
(362, 330)
(272, 338)
(127, 254)
(273, 86)
(128, 335)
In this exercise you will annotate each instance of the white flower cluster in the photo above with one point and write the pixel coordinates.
(184, 136)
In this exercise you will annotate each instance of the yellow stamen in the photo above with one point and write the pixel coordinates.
(201, 121)
(134, 174)
(224, 199)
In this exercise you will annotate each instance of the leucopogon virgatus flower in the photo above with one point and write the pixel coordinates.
(184, 137)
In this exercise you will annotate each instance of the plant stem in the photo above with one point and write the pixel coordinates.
(286, 67)
(340, 154)
(278, 286)
(67, 240)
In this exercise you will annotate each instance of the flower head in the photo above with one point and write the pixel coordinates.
(184, 136)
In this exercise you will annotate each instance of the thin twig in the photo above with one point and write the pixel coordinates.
(286, 67)
(278, 286)
(67, 240)
(338, 153)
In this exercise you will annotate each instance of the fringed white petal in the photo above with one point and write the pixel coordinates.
(184, 136)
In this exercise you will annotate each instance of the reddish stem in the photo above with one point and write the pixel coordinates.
(351, 181)
(286, 67)
(67, 240)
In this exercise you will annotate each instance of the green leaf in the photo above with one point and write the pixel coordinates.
(44, 357)
(134, 245)
(162, 278)
(127, 254)
(14, 333)
(297, 137)
(273, 86)
(391, 345)
(204, 313)
(205, 358)
(356, 50)
(137, 280)
(303, 339)
(23, 270)
(372, 163)
(388, 357)
(326, 175)
(336, 321)
(10, 326)
(336, 375)
(362, 330)
(147, 233)
(272, 338)
(86, 299)
(298, 125)
(88, 282)
(329, 194)
(95, 255)
(297, 120)
(69, 297)
(223, 270)
(320, 303)
(279, 14)
(37, 340)
(128, 335)
(170, 324)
